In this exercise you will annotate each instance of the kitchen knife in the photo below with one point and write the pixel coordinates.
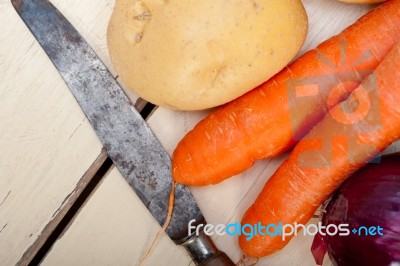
(136, 152)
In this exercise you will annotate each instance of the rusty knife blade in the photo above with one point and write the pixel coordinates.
(134, 149)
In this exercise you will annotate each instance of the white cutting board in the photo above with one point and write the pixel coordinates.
(113, 228)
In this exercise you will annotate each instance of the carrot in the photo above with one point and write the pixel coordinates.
(273, 117)
(350, 135)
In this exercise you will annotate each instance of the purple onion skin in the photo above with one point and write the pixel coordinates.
(371, 197)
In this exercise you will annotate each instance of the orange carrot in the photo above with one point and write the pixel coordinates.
(273, 117)
(350, 135)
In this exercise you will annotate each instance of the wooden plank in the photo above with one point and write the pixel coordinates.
(114, 228)
(30, 253)
(46, 143)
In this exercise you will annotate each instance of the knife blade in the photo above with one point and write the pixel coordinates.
(129, 142)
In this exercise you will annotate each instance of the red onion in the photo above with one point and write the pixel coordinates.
(370, 198)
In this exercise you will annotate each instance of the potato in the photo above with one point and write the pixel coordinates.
(197, 54)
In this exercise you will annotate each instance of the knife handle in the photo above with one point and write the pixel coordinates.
(220, 259)
(204, 252)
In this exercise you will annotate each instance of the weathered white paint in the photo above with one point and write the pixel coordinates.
(46, 143)
(113, 228)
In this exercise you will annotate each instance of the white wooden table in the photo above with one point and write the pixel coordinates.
(49, 153)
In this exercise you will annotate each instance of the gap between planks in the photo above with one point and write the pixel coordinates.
(70, 207)
(68, 203)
